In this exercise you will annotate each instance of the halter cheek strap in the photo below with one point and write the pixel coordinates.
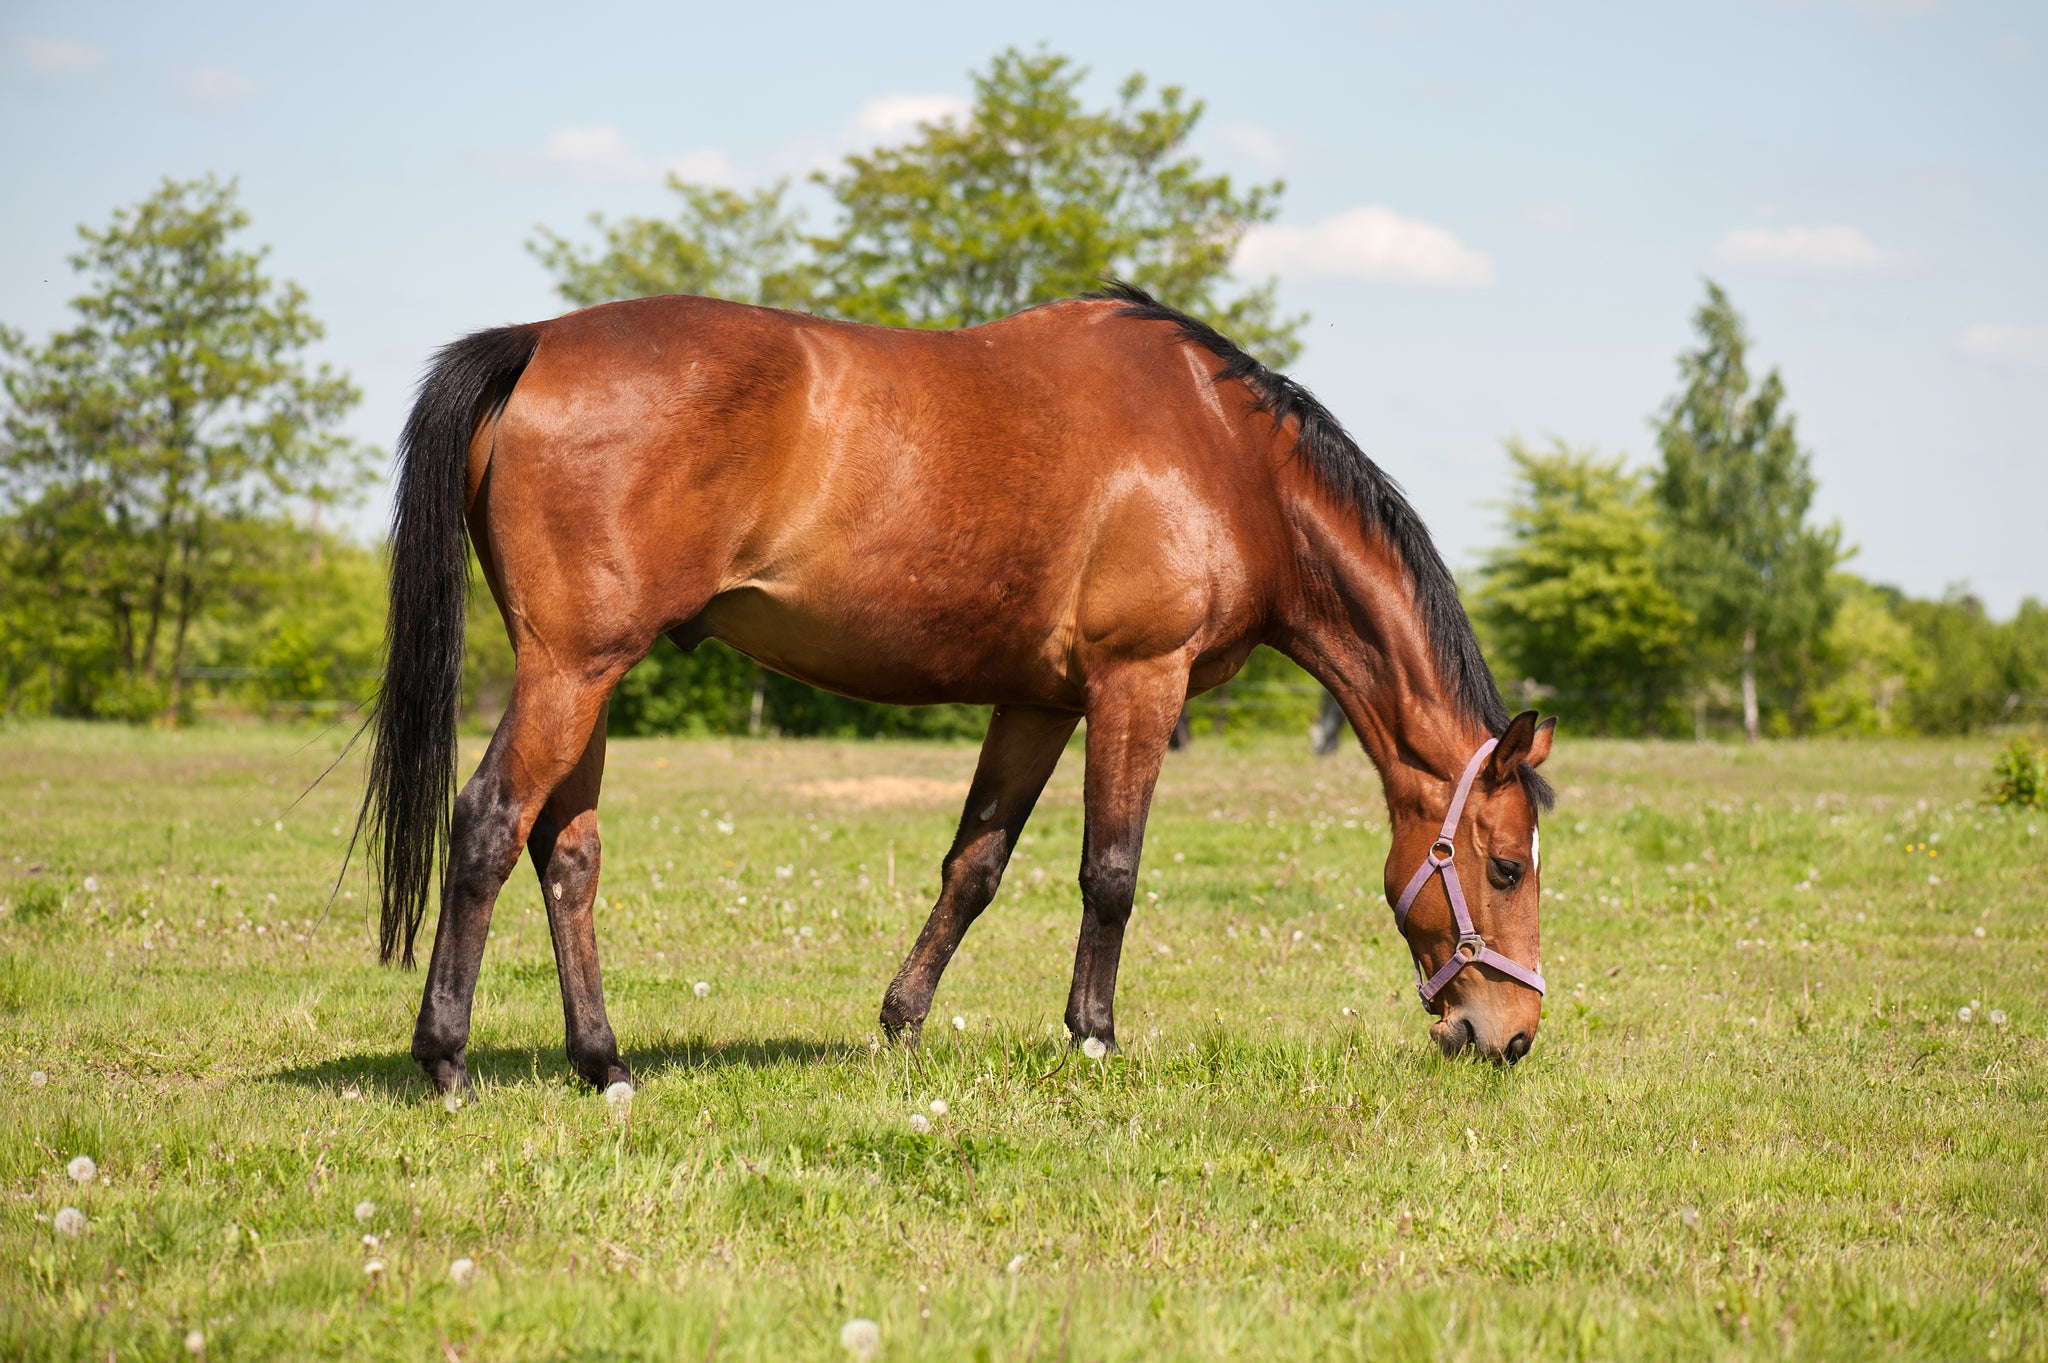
(1471, 948)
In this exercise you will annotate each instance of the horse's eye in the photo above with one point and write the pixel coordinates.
(1504, 872)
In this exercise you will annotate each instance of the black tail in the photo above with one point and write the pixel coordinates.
(412, 748)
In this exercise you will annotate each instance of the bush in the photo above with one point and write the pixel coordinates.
(2019, 776)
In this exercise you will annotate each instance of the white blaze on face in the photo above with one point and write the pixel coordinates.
(1536, 849)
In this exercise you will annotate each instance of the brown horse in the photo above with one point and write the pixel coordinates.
(1094, 508)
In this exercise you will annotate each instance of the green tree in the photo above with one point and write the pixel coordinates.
(1734, 489)
(1572, 599)
(1874, 660)
(1033, 197)
(749, 248)
(143, 450)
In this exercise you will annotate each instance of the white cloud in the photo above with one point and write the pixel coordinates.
(1807, 250)
(601, 152)
(1261, 146)
(896, 118)
(216, 85)
(1372, 243)
(59, 56)
(2007, 343)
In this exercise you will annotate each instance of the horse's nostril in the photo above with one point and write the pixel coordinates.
(1517, 1047)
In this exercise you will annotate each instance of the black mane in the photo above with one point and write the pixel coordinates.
(1376, 498)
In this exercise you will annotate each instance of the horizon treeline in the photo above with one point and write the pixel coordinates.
(171, 464)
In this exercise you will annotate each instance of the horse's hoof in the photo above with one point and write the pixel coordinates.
(449, 1078)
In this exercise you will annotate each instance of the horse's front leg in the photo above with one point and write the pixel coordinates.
(1131, 714)
(1018, 755)
(566, 854)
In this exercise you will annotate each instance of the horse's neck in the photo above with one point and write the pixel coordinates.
(1359, 631)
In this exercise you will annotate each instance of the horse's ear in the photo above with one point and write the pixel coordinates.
(1524, 741)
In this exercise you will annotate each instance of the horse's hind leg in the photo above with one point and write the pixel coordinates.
(1018, 755)
(1130, 718)
(565, 852)
(543, 735)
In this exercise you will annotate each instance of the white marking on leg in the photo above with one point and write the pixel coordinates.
(558, 891)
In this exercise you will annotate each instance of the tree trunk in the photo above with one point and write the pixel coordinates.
(1749, 719)
(760, 704)
(1699, 716)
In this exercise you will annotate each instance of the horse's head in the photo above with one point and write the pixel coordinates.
(1477, 969)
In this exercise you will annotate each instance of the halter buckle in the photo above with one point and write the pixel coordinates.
(1471, 947)
(1442, 851)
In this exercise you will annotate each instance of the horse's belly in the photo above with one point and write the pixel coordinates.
(901, 647)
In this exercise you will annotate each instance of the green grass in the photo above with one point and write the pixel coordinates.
(1753, 1125)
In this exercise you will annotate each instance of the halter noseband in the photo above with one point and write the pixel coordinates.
(1471, 948)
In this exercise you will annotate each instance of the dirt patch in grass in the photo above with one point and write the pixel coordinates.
(870, 792)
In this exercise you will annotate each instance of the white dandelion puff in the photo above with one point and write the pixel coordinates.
(939, 1108)
(1977, 931)
(351, 1094)
(36, 1079)
(619, 1097)
(702, 989)
(461, 1271)
(1015, 1266)
(1093, 1048)
(370, 1243)
(452, 1102)
(69, 1221)
(82, 1169)
(195, 1342)
(1997, 1017)
(920, 1123)
(365, 1210)
(959, 1023)
(1690, 1216)
(861, 1337)
(92, 884)
(1963, 1014)
(373, 1269)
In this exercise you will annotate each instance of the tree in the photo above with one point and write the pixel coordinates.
(1032, 197)
(746, 247)
(1027, 198)
(143, 450)
(1572, 599)
(1734, 490)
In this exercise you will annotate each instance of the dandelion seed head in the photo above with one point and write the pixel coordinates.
(195, 1342)
(1963, 1013)
(365, 1210)
(1015, 1266)
(939, 1108)
(920, 1123)
(69, 1221)
(373, 1269)
(461, 1271)
(861, 1337)
(619, 1095)
(370, 1243)
(702, 989)
(82, 1169)
(1997, 1017)
(92, 884)
(1690, 1216)
(36, 1079)
(959, 1023)
(351, 1094)
(452, 1102)
(1093, 1048)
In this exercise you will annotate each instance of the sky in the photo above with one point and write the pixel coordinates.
(1498, 216)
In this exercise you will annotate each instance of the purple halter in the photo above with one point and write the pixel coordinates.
(1471, 948)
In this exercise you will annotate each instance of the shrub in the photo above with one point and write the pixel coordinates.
(2020, 775)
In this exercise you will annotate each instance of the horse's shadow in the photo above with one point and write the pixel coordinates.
(394, 1073)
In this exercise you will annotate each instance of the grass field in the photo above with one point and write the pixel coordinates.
(1758, 1121)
